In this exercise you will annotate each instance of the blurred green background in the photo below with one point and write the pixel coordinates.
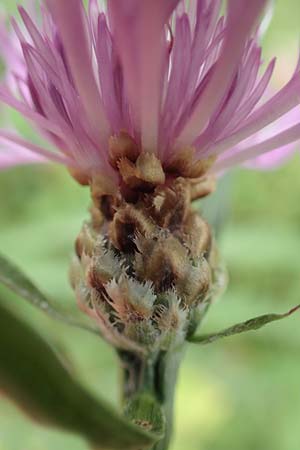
(240, 393)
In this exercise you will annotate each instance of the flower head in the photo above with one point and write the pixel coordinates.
(145, 100)
(173, 80)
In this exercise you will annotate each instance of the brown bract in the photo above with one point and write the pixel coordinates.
(185, 165)
(80, 176)
(122, 146)
(146, 261)
(144, 174)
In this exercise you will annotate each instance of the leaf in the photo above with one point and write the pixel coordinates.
(144, 410)
(33, 375)
(13, 278)
(250, 325)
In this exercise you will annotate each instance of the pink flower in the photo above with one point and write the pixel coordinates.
(276, 157)
(12, 154)
(174, 77)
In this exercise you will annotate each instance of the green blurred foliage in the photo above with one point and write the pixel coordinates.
(242, 393)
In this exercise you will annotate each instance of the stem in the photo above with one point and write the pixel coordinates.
(167, 375)
(157, 377)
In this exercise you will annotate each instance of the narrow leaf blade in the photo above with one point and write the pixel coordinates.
(249, 325)
(14, 279)
(33, 376)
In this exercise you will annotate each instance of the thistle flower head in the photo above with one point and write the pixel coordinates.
(142, 90)
(145, 101)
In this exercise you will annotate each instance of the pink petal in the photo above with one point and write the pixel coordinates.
(122, 16)
(248, 76)
(276, 157)
(240, 103)
(206, 31)
(253, 99)
(108, 67)
(151, 33)
(7, 98)
(13, 155)
(28, 146)
(280, 140)
(283, 102)
(71, 21)
(34, 33)
(242, 17)
(10, 52)
(139, 29)
(180, 70)
(273, 159)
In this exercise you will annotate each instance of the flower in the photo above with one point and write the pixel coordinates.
(276, 157)
(172, 79)
(12, 154)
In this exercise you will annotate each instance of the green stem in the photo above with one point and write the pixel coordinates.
(168, 374)
(156, 377)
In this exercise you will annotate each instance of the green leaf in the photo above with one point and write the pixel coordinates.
(13, 278)
(250, 325)
(33, 375)
(144, 410)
